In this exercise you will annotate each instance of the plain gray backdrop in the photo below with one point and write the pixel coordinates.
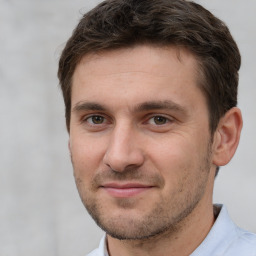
(41, 213)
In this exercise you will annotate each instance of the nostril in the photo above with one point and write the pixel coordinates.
(120, 161)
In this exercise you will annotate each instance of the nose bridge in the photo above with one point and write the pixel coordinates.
(123, 149)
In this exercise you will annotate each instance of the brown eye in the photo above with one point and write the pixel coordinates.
(160, 120)
(96, 120)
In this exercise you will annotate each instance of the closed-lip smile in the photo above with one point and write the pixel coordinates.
(125, 190)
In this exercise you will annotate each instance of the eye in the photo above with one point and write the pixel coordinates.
(95, 120)
(158, 120)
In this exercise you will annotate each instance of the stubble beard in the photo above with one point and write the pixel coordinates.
(165, 218)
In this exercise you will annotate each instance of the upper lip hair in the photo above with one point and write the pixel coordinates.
(125, 185)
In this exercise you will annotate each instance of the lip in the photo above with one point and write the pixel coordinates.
(125, 190)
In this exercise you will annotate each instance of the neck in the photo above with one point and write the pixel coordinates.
(182, 242)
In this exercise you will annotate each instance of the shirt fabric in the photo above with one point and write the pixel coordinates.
(224, 239)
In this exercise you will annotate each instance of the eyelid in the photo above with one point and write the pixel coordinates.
(84, 118)
(153, 115)
(91, 117)
(166, 120)
(108, 120)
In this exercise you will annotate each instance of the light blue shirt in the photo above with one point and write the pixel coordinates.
(224, 239)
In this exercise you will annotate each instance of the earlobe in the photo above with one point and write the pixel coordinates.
(226, 137)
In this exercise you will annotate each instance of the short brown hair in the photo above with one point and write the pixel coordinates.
(117, 24)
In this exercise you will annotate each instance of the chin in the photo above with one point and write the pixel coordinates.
(126, 223)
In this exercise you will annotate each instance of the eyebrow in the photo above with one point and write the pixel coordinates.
(83, 106)
(145, 106)
(157, 105)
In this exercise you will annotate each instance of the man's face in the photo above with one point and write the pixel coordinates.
(140, 140)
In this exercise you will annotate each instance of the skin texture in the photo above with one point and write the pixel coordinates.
(143, 156)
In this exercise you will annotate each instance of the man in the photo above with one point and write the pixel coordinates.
(150, 89)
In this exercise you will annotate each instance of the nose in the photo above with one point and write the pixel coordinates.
(124, 150)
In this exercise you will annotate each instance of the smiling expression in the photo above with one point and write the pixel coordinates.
(140, 140)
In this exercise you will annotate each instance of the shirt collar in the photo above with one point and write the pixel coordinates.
(103, 248)
(221, 235)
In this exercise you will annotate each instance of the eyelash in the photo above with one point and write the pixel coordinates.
(105, 121)
(159, 117)
(91, 123)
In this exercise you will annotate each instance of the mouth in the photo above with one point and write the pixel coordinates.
(125, 190)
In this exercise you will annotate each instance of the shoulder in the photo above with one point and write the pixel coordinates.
(240, 241)
(244, 244)
(226, 238)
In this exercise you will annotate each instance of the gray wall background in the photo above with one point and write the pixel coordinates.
(41, 213)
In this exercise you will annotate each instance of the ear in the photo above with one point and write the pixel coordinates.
(226, 137)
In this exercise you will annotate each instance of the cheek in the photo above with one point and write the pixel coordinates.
(177, 159)
(172, 152)
(87, 155)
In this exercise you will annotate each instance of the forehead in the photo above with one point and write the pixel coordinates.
(141, 72)
(149, 58)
